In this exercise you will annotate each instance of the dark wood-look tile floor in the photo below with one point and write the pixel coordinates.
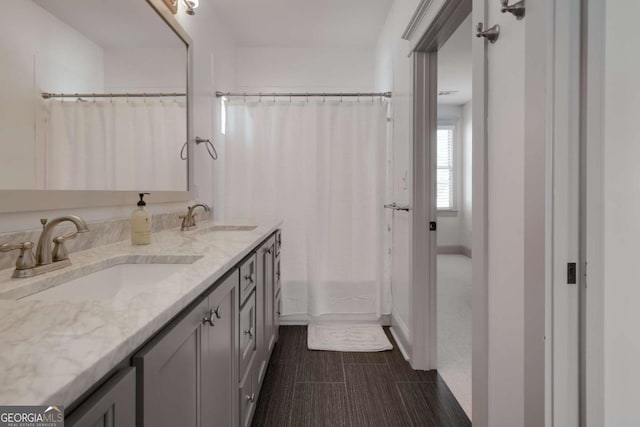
(321, 388)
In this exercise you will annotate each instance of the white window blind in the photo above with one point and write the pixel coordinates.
(445, 173)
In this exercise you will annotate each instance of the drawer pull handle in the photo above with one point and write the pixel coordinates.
(249, 277)
(218, 312)
(249, 332)
(251, 397)
(209, 319)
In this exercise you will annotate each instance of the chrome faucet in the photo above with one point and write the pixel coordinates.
(45, 258)
(189, 220)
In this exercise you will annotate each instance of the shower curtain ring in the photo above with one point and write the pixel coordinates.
(324, 97)
(307, 97)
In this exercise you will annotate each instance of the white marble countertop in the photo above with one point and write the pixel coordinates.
(53, 351)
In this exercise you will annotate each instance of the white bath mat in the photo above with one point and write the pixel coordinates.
(346, 337)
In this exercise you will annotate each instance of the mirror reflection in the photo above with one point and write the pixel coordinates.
(92, 97)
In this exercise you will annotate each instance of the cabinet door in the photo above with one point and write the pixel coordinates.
(247, 333)
(169, 372)
(112, 405)
(218, 380)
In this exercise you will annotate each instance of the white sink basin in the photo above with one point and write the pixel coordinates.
(107, 283)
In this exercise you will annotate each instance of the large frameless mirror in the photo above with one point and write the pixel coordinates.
(93, 97)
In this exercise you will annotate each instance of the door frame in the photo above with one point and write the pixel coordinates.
(440, 19)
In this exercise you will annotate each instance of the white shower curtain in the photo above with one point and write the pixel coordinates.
(114, 145)
(320, 166)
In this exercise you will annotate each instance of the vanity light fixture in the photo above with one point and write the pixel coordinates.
(191, 6)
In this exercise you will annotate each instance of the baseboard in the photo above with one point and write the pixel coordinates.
(305, 319)
(454, 250)
(400, 333)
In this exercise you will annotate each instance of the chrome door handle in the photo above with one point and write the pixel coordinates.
(250, 277)
(249, 332)
(251, 397)
(218, 312)
(490, 34)
(395, 207)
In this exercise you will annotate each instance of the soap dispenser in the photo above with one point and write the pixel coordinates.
(141, 223)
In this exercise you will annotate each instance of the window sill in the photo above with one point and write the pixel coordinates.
(447, 212)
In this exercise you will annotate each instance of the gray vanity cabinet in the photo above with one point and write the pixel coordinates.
(112, 405)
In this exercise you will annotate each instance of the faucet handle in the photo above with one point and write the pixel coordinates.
(60, 251)
(26, 259)
(44, 221)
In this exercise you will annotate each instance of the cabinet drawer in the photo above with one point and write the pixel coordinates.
(112, 405)
(247, 395)
(247, 278)
(247, 333)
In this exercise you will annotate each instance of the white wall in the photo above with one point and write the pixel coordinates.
(393, 72)
(214, 66)
(145, 69)
(38, 52)
(214, 69)
(305, 69)
(621, 214)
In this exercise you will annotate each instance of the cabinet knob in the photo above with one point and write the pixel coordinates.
(251, 397)
(249, 332)
(218, 312)
(209, 319)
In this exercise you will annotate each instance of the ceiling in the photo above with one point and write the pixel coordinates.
(455, 66)
(136, 24)
(303, 23)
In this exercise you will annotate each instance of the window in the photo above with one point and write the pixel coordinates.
(445, 172)
(223, 115)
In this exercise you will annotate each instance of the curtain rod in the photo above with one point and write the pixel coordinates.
(47, 95)
(306, 95)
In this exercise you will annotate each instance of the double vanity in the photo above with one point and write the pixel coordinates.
(176, 333)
